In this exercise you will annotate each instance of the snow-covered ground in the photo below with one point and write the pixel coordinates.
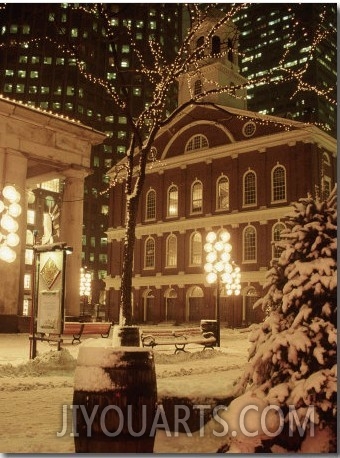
(32, 394)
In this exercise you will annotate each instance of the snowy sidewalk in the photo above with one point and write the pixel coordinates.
(15, 348)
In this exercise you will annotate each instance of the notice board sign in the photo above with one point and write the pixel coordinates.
(50, 292)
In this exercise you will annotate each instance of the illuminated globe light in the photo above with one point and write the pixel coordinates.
(11, 194)
(226, 278)
(208, 267)
(228, 268)
(219, 266)
(7, 254)
(208, 247)
(211, 237)
(9, 224)
(224, 236)
(2, 206)
(227, 247)
(225, 257)
(211, 257)
(14, 210)
(219, 246)
(211, 277)
(12, 239)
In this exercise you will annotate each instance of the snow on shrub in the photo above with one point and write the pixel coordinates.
(292, 358)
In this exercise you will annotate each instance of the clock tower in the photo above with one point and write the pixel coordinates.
(216, 65)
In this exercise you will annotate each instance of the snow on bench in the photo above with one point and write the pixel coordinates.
(180, 338)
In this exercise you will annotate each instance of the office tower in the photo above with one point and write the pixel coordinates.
(43, 75)
(304, 36)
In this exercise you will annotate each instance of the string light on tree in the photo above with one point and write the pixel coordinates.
(10, 209)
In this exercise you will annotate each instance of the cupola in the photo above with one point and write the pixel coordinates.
(216, 64)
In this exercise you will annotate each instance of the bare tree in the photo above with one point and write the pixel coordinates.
(163, 76)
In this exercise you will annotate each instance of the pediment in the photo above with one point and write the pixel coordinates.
(218, 125)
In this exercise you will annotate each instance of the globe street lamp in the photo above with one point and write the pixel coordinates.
(9, 210)
(220, 268)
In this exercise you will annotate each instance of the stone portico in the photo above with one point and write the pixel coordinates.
(36, 146)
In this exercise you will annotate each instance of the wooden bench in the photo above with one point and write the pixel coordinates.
(73, 328)
(77, 329)
(97, 327)
(180, 338)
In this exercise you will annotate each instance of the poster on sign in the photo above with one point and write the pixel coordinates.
(50, 287)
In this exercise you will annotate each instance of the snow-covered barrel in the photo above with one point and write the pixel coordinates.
(114, 400)
(210, 326)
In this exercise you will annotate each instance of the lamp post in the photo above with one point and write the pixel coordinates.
(220, 268)
(85, 286)
(9, 210)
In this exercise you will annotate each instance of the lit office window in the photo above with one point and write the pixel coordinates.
(20, 88)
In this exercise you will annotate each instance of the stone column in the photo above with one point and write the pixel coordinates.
(13, 169)
(71, 223)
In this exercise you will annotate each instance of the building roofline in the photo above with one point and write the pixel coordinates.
(20, 110)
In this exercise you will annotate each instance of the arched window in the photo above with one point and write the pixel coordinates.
(149, 253)
(249, 188)
(196, 197)
(172, 201)
(278, 184)
(249, 244)
(171, 251)
(151, 204)
(196, 249)
(222, 193)
(276, 237)
(198, 87)
(200, 44)
(215, 45)
(197, 142)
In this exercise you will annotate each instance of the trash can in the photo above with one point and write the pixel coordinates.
(210, 326)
